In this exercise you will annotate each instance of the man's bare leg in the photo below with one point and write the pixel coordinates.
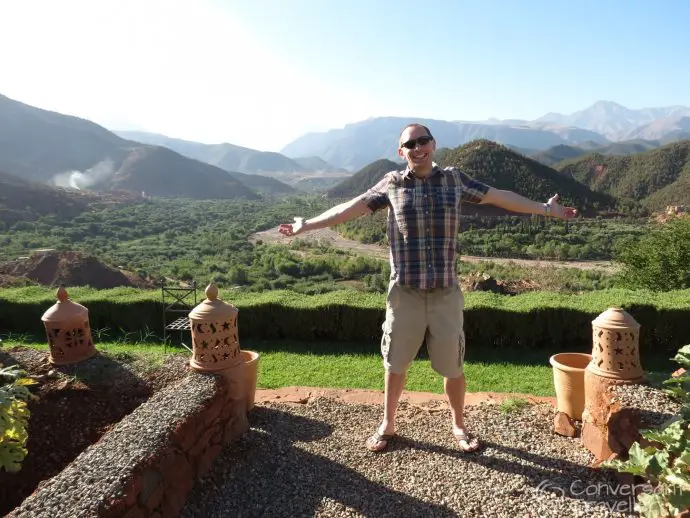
(455, 392)
(394, 385)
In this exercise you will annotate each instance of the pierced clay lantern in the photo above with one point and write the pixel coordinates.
(68, 331)
(606, 428)
(214, 334)
(615, 346)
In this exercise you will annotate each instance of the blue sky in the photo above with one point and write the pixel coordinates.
(260, 73)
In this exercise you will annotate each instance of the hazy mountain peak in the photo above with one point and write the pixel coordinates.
(607, 105)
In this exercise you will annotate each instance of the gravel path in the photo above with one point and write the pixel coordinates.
(309, 460)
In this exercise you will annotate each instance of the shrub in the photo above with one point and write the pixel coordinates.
(660, 261)
(14, 417)
(538, 320)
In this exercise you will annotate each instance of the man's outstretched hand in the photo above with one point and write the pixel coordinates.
(292, 229)
(559, 211)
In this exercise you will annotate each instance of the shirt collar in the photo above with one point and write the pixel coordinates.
(435, 169)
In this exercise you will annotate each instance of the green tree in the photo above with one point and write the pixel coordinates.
(659, 261)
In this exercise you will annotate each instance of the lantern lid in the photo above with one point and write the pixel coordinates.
(615, 318)
(212, 308)
(64, 309)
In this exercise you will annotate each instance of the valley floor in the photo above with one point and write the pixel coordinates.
(335, 240)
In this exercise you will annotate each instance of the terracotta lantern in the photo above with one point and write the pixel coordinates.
(68, 331)
(615, 362)
(215, 344)
(615, 346)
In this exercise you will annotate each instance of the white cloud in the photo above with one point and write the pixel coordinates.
(184, 68)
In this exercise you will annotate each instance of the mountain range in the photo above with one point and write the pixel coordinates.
(561, 152)
(616, 122)
(60, 150)
(231, 157)
(602, 124)
(50, 148)
(656, 178)
(302, 173)
(498, 166)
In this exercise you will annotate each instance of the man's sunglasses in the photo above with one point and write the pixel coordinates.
(422, 141)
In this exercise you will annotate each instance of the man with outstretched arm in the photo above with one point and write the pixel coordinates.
(424, 299)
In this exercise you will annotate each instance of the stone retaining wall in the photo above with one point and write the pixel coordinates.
(147, 464)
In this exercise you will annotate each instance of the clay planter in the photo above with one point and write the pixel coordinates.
(251, 373)
(569, 381)
(615, 346)
(215, 344)
(68, 331)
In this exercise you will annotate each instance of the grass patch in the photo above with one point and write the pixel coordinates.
(589, 302)
(512, 405)
(356, 365)
(342, 365)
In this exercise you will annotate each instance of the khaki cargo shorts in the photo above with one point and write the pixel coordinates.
(413, 315)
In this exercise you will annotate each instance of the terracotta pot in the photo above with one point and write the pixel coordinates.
(68, 331)
(215, 345)
(251, 375)
(615, 346)
(569, 381)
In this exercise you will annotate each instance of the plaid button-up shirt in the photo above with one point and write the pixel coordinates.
(423, 221)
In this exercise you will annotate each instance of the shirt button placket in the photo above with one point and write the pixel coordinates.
(427, 203)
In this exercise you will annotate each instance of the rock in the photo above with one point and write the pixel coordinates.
(607, 426)
(564, 425)
(482, 282)
(616, 411)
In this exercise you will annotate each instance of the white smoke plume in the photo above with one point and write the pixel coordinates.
(85, 179)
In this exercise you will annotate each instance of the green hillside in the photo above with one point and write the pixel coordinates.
(556, 154)
(363, 179)
(629, 147)
(21, 200)
(498, 166)
(656, 178)
(237, 159)
(161, 172)
(503, 168)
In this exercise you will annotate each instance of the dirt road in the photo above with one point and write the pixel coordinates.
(337, 241)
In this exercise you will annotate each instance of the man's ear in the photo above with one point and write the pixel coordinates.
(400, 153)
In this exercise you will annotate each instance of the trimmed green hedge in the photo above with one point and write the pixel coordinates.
(540, 320)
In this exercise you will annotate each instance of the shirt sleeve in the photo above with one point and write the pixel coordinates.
(473, 191)
(377, 196)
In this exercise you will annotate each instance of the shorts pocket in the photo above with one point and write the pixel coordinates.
(387, 328)
(393, 297)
